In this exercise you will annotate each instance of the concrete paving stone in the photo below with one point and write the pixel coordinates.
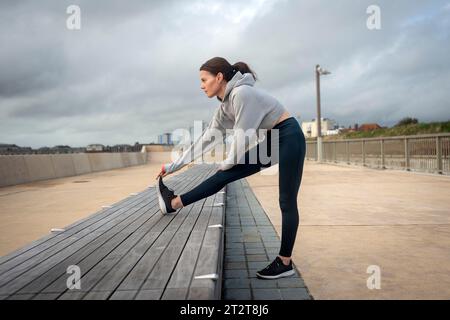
(266, 294)
(252, 272)
(272, 244)
(237, 294)
(257, 257)
(234, 245)
(257, 283)
(266, 238)
(235, 265)
(239, 283)
(257, 265)
(273, 251)
(237, 258)
(255, 251)
(295, 294)
(291, 282)
(232, 224)
(234, 252)
(233, 231)
(253, 245)
(267, 229)
(235, 273)
(250, 228)
(229, 240)
(252, 239)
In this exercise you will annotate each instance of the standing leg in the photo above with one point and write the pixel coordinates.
(292, 154)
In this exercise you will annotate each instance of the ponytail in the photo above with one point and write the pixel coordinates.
(219, 64)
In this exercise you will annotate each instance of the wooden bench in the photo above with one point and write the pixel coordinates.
(128, 251)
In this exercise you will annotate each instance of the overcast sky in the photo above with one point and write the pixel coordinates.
(131, 71)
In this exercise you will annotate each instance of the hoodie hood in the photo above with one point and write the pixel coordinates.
(238, 80)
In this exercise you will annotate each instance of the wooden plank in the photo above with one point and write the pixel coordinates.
(110, 251)
(107, 262)
(62, 239)
(20, 297)
(33, 268)
(80, 224)
(34, 245)
(123, 295)
(142, 269)
(46, 296)
(149, 294)
(118, 238)
(97, 295)
(95, 250)
(175, 293)
(202, 293)
(162, 270)
(132, 258)
(98, 263)
(182, 275)
(211, 256)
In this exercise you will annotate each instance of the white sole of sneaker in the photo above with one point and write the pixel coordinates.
(162, 204)
(281, 275)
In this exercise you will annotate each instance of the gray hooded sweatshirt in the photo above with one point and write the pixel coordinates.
(244, 107)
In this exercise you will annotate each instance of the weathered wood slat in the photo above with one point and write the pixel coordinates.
(33, 268)
(130, 251)
(70, 230)
(132, 257)
(162, 270)
(102, 258)
(47, 242)
(80, 223)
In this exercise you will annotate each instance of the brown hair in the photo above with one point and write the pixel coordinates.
(219, 64)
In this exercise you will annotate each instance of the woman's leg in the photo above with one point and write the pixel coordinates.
(221, 178)
(292, 151)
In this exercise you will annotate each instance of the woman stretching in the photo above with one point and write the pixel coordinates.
(244, 107)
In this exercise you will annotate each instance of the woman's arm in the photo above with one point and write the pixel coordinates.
(211, 136)
(247, 122)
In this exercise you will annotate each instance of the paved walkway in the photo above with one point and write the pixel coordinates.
(251, 243)
(352, 218)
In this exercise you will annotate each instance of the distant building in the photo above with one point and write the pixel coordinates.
(95, 148)
(6, 149)
(333, 132)
(309, 128)
(165, 138)
(120, 148)
(368, 127)
(61, 149)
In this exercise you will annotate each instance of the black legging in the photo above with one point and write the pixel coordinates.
(292, 149)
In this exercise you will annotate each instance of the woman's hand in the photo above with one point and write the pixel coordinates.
(163, 173)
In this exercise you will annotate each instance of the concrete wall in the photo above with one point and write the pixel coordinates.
(159, 157)
(17, 169)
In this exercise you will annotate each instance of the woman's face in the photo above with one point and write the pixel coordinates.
(211, 84)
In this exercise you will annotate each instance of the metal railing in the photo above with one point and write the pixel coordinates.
(424, 153)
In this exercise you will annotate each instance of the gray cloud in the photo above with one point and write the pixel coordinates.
(131, 72)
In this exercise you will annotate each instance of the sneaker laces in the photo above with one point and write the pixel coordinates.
(272, 264)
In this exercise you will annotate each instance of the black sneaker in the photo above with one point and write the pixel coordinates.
(165, 196)
(277, 269)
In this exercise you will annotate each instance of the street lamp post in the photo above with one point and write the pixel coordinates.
(319, 72)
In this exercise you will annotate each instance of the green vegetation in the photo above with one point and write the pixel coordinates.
(405, 127)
